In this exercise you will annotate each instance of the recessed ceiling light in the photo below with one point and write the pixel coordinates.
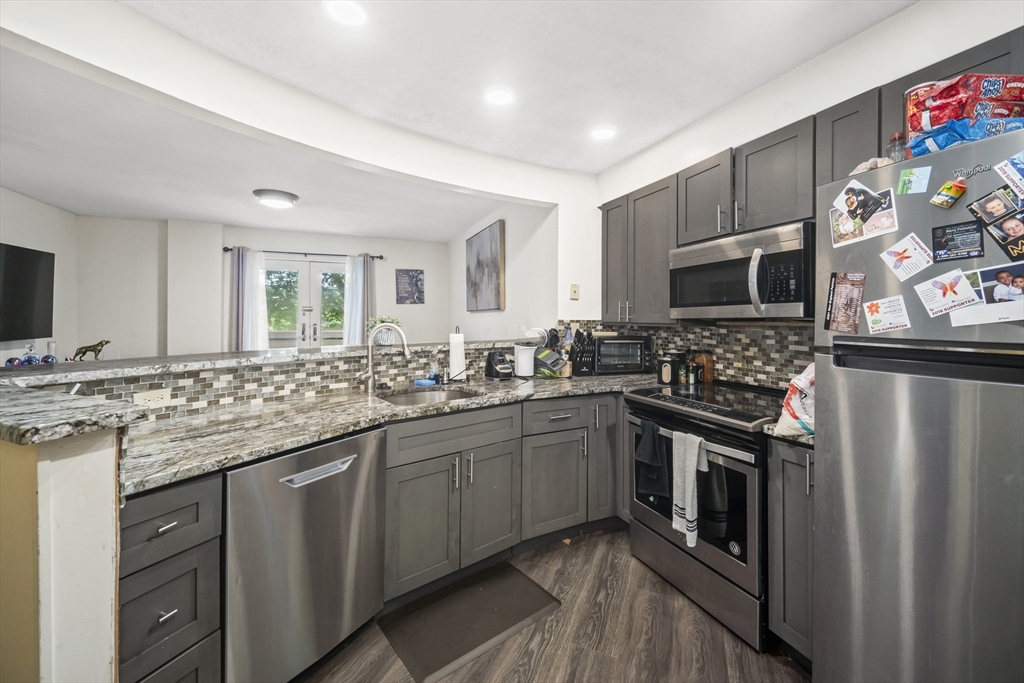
(346, 12)
(603, 133)
(498, 94)
(276, 199)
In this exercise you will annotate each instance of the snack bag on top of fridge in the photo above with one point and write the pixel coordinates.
(927, 120)
(960, 131)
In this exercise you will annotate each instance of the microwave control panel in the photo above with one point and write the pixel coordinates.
(785, 277)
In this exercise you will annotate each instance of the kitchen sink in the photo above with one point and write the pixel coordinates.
(418, 398)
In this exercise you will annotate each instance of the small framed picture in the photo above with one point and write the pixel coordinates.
(994, 206)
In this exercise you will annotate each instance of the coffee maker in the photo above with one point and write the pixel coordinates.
(498, 365)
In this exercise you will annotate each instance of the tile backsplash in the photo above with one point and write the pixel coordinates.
(764, 355)
(767, 355)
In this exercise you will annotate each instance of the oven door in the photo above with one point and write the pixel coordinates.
(619, 355)
(728, 505)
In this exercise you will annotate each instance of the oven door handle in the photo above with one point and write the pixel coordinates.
(731, 453)
(753, 274)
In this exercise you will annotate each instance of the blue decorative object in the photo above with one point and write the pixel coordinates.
(49, 360)
(30, 359)
(13, 363)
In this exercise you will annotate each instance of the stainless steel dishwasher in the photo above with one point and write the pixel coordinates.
(305, 556)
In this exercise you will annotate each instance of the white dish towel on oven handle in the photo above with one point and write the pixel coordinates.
(688, 456)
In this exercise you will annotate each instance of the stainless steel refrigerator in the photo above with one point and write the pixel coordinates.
(919, 454)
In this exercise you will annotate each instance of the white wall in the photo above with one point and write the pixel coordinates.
(24, 222)
(531, 261)
(922, 34)
(194, 280)
(421, 322)
(122, 291)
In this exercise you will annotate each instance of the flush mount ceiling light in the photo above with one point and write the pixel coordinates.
(276, 199)
(499, 94)
(346, 12)
(603, 133)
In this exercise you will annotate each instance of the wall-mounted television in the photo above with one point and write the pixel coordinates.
(26, 293)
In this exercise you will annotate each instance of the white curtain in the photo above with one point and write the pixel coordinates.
(359, 298)
(249, 331)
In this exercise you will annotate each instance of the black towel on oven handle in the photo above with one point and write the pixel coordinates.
(653, 472)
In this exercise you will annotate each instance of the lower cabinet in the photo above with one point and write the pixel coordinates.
(602, 452)
(790, 545)
(554, 481)
(449, 512)
(199, 664)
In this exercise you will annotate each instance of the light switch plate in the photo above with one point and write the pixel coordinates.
(574, 292)
(154, 399)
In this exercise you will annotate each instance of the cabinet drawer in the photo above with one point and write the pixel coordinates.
(167, 608)
(199, 664)
(158, 525)
(557, 414)
(432, 437)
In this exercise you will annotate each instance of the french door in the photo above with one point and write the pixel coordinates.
(305, 303)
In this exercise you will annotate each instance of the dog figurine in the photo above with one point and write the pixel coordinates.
(95, 348)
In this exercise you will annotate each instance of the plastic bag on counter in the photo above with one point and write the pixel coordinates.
(798, 406)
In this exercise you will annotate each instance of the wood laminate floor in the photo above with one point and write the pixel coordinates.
(619, 621)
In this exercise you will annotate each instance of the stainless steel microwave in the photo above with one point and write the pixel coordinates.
(761, 274)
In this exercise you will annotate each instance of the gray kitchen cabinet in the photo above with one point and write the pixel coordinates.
(491, 500)
(775, 177)
(602, 452)
(705, 199)
(554, 482)
(845, 135)
(790, 545)
(614, 261)
(1002, 55)
(198, 664)
(422, 523)
(432, 437)
(651, 221)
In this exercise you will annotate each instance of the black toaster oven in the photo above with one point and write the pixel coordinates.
(619, 355)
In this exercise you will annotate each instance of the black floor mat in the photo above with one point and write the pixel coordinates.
(442, 631)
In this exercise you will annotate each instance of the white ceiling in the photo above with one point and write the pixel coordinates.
(646, 67)
(94, 151)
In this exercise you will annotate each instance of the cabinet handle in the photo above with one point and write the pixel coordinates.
(807, 468)
(735, 216)
(166, 527)
(559, 417)
(719, 218)
(164, 616)
(597, 418)
(627, 310)
(620, 311)
(584, 446)
(469, 472)
(456, 477)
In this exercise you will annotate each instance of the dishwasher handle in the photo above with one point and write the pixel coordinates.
(318, 473)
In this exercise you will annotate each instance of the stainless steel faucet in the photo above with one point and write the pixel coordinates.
(370, 375)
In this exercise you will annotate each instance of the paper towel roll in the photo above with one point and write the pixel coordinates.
(457, 356)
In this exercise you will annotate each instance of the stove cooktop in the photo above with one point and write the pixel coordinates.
(738, 405)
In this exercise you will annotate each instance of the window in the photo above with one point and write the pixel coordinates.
(305, 303)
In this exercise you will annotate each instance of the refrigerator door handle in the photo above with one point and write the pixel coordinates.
(752, 276)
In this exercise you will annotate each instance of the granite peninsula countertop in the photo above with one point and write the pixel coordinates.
(29, 416)
(166, 451)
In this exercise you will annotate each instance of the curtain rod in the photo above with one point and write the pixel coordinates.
(307, 253)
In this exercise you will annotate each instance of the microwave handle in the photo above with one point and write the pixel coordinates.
(752, 276)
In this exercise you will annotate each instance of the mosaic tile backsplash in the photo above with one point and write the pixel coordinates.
(760, 355)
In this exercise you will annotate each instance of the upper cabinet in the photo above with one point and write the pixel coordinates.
(846, 135)
(637, 232)
(705, 199)
(614, 261)
(1002, 55)
(651, 219)
(775, 177)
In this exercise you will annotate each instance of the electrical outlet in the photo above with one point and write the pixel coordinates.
(574, 292)
(154, 399)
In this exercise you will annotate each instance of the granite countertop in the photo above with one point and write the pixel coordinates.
(88, 371)
(33, 415)
(166, 451)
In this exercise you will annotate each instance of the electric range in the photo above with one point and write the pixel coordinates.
(725, 570)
